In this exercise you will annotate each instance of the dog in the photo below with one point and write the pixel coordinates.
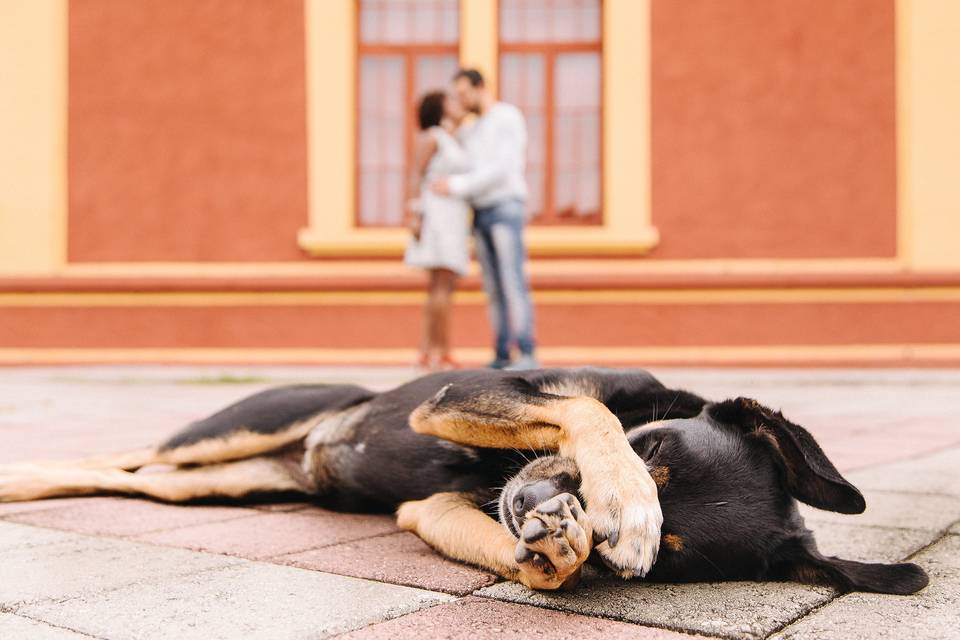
(651, 481)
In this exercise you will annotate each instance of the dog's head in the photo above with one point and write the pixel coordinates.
(728, 483)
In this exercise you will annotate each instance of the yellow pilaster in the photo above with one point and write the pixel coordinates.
(33, 135)
(479, 37)
(626, 123)
(928, 133)
(331, 118)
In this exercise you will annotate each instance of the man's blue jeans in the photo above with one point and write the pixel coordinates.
(498, 231)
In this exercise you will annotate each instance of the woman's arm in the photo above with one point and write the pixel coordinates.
(423, 149)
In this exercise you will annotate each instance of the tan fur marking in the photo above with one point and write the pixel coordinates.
(661, 476)
(530, 430)
(232, 479)
(128, 460)
(572, 388)
(808, 574)
(673, 541)
(238, 445)
(453, 525)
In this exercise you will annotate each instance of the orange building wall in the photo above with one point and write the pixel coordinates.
(773, 128)
(187, 130)
(772, 133)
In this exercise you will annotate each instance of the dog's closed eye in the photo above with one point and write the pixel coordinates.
(651, 449)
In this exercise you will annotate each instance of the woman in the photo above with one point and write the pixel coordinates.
(439, 224)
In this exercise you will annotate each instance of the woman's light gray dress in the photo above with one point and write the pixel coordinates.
(444, 231)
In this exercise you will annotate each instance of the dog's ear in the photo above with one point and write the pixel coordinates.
(809, 476)
(799, 560)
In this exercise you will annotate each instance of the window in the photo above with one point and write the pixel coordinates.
(406, 47)
(550, 61)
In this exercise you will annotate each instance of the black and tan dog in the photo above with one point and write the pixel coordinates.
(610, 449)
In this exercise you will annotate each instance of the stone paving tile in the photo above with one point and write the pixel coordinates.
(733, 609)
(126, 516)
(20, 628)
(401, 558)
(852, 453)
(931, 614)
(937, 473)
(869, 544)
(81, 564)
(15, 536)
(897, 510)
(272, 534)
(472, 618)
(250, 600)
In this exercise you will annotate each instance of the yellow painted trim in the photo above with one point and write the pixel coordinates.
(626, 228)
(577, 266)
(893, 354)
(807, 295)
(928, 137)
(479, 38)
(33, 136)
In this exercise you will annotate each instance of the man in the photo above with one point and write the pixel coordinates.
(495, 187)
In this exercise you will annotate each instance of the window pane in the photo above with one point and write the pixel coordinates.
(382, 139)
(523, 83)
(576, 129)
(408, 21)
(434, 73)
(534, 21)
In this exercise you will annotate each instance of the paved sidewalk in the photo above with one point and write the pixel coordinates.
(119, 568)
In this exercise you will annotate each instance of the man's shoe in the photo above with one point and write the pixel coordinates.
(524, 363)
(499, 363)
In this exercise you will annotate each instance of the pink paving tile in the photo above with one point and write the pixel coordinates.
(7, 508)
(272, 534)
(479, 618)
(401, 558)
(856, 453)
(111, 516)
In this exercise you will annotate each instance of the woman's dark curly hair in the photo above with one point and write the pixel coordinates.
(430, 111)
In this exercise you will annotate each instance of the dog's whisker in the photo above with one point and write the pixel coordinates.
(666, 414)
(711, 562)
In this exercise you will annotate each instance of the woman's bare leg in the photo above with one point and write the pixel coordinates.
(444, 283)
(437, 315)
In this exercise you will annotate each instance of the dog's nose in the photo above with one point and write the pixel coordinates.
(533, 494)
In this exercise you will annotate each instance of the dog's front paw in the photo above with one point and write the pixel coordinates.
(625, 514)
(555, 541)
(409, 514)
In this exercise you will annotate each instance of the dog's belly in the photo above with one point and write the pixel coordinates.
(364, 457)
(332, 448)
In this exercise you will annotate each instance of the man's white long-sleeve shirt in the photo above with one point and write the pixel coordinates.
(497, 147)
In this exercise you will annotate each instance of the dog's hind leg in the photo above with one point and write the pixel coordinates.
(259, 475)
(259, 424)
(262, 423)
